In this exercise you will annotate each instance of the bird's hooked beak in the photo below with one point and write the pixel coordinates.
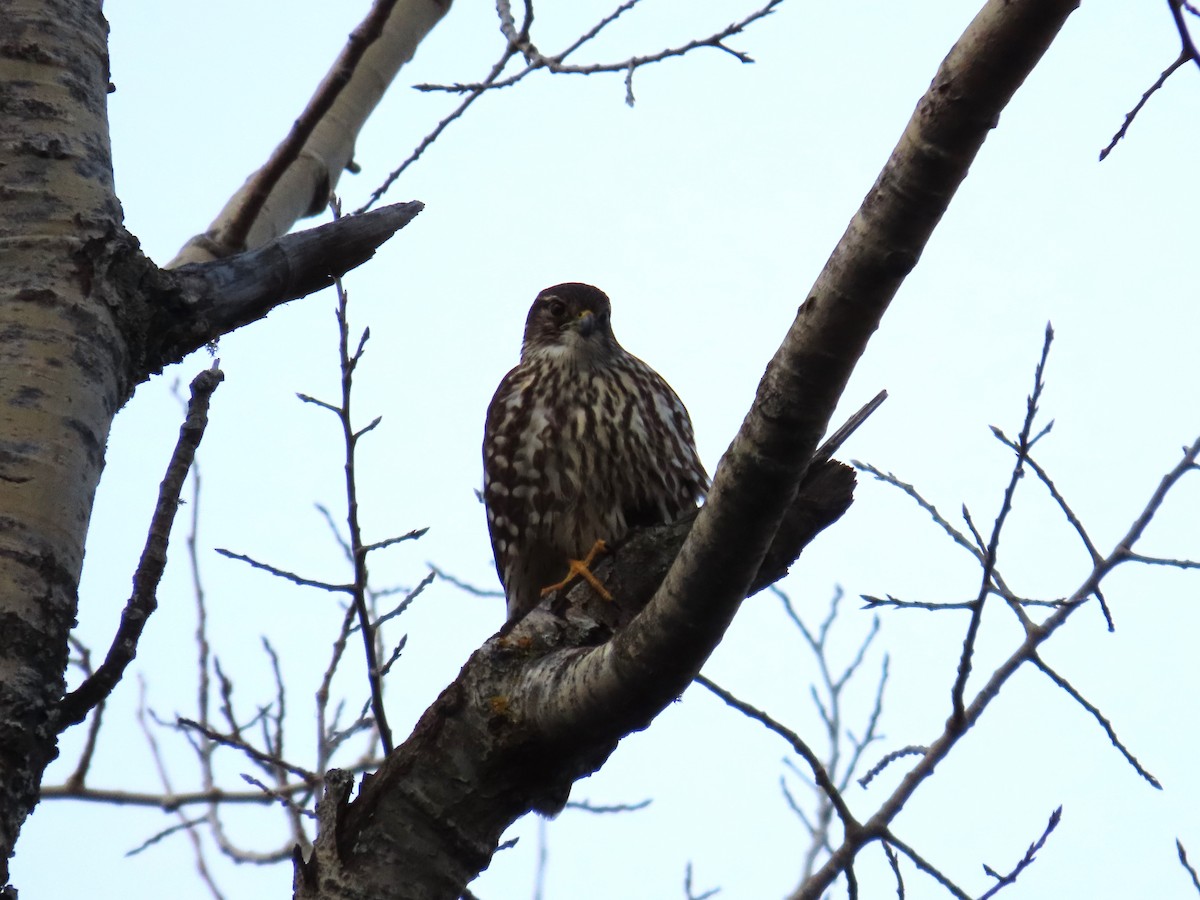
(586, 323)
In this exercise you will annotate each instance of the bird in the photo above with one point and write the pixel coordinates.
(582, 443)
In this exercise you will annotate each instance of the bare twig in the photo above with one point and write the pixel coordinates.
(689, 892)
(238, 743)
(164, 778)
(463, 585)
(285, 574)
(925, 866)
(893, 859)
(408, 599)
(1069, 513)
(829, 708)
(520, 43)
(1187, 52)
(834, 442)
(890, 602)
(170, 802)
(1023, 445)
(349, 362)
(1025, 861)
(820, 774)
(1098, 716)
(380, 545)
(888, 759)
(605, 809)
(1188, 867)
(144, 599)
(185, 825)
(1161, 561)
(555, 64)
(76, 779)
(327, 741)
(888, 478)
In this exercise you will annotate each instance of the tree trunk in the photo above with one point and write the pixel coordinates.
(84, 319)
(63, 361)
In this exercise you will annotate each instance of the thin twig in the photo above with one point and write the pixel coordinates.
(555, 64)
(521, 44)
(360, 550)
(164, 778)
(144, 599)
(888, 759)
(890, 602)
(925, 866)
(238, 743)
(1187, 51)
(170, 802)
(1161, 561)
(1188, 867)
(605, 809)
(76, 779)
(1098, 716)
(185, 825)
(1003, 881)
(1024, 443)
(820, 775)
(893, 859)
(464, 586)
(689, 892)
(1073, 519)
(834, 442)
(285, 574)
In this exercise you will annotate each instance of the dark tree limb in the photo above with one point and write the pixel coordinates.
(144, 599)
(628, 680)
(170, 313)
(440, 803)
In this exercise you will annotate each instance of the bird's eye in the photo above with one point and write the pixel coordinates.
(557, 308)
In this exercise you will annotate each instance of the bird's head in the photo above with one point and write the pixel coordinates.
(571, 319)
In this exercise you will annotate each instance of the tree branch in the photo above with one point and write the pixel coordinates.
(303, 171)
(624, 683)
(440, 803)
(1188, 52)
(144, 599)
(195, 304)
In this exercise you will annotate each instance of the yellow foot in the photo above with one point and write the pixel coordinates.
(580, 568)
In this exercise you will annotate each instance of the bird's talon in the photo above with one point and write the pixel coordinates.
(581, 568)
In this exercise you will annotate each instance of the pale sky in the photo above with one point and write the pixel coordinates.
(705, 212)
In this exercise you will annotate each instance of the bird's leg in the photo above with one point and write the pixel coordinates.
(581, 568)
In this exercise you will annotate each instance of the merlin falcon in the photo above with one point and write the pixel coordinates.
(583, 442)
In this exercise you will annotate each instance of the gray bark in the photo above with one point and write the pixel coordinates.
(84, 319)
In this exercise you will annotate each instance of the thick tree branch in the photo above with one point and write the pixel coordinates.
(195, 304)
(624, 683)
(439, 804)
